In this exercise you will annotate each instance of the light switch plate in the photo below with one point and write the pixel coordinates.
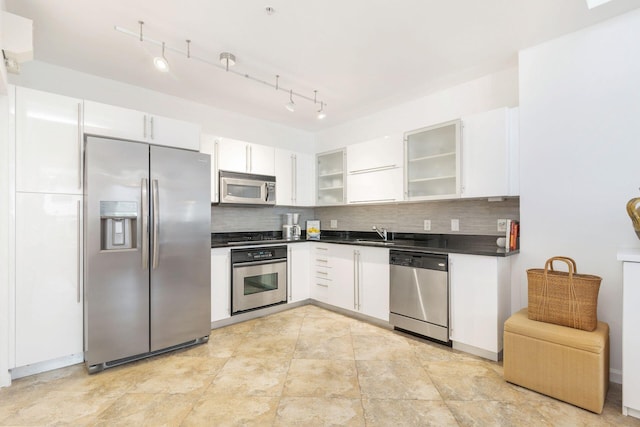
(502, 224)
(427, 225)
(455, 225)
(334, 223)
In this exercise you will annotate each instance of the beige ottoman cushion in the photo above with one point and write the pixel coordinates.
(569, 364)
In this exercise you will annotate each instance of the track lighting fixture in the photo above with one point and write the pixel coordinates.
(291, 106)
(161, 62)
(225, 61)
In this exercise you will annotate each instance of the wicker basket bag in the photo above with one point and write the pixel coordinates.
(563, 298)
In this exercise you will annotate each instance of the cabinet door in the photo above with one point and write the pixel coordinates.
(285, 177)
(485, 154)
(432, 162)
(48, 142)
(474, 301)
(373, 282)
(630, 339)
(305, 179)
(174, 133)
(220, 283)
(380, 153)
(109, 120)
(48, 270)
(209, 145)
(298, 280)
(375, 187)
(342, 288)
(330, 173)
(232, 155)
(261, 159)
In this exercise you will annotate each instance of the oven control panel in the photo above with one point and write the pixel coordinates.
(258, 254)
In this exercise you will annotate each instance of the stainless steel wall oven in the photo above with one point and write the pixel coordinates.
(259, 277)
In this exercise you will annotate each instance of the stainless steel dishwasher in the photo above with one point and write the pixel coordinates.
(419, 294)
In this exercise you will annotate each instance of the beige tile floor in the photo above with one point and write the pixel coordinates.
(306, 366)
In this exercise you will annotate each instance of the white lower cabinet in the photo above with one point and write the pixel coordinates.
(359, 279)
(480, 303)
(321, 269)
(630, 336)
(48, 296)
(298, 274)
(220, 283)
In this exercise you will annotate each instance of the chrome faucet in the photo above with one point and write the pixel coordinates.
(382, 232)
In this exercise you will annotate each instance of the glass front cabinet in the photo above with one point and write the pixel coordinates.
(331, 178)
(432, 162)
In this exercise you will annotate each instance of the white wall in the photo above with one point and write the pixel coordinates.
(43, 76)
(495, 90)
(580, 156)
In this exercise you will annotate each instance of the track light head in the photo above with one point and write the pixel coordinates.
(160, 62)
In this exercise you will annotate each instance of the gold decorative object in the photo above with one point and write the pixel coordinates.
(633, 209)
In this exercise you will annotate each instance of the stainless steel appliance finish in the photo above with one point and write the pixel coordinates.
(259, 277)
(419, 294)
(247, 189)
(147, 266)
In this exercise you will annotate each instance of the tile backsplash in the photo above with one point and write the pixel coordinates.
(475, 216)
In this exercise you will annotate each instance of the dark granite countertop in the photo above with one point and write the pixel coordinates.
(432, 243)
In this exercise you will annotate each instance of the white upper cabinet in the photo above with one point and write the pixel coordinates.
(374, 171)
(330, 174)
(295, 174)
(490, 154)
(48, 142)
(240, 156)
(111, 121)
(432, 162)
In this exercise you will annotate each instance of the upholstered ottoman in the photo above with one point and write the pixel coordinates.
(569, 364)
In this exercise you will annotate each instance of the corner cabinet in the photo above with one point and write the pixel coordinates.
(298, 274)
(432, 162)
(117, 122)
(330, 168)
(209, 145)
(480, 300)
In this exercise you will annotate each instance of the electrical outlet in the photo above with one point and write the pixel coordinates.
(334, 223)
(455, 225)
(427, 225)
(502, 225)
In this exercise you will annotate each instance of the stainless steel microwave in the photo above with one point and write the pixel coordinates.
(247, 189)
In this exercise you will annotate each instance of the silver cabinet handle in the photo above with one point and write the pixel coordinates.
(376, 169)
(144, 126)
(79, 252)
(324, 273)
(289, 273)
(145, 223)
(294, 184)
(151, 127)
(156, 221)
(372, 200)
(79, 146)
(355, 278)
(227, 280)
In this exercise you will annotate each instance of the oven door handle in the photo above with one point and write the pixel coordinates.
(266, 261)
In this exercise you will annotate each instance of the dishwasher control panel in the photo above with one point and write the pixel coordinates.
(419, 260)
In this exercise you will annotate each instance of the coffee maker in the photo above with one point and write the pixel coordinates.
(291, 229)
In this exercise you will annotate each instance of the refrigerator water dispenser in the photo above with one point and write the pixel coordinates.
(118, 225)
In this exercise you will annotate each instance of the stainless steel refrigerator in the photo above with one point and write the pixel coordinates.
(147, 246)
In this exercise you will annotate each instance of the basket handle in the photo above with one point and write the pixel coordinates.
(571, 264)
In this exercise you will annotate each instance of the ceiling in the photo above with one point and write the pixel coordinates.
(360, 55)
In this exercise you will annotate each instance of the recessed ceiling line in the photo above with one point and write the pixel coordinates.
(216, 64)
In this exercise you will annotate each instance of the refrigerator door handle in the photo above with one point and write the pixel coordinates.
(145, 223)
(156, 220)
